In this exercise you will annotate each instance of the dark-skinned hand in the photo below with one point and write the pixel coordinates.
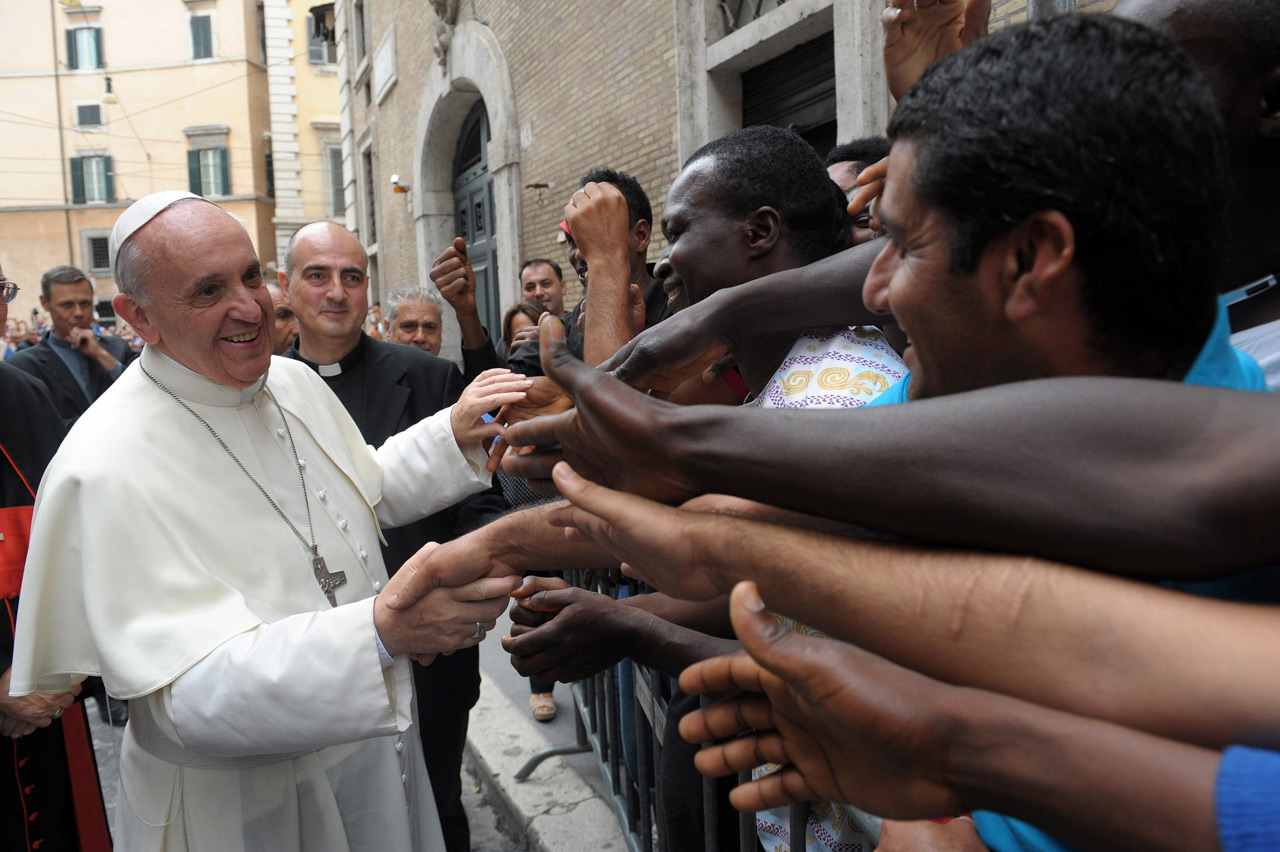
(452, 275)
(658, 544)
(848, 726)
(563, 633)
(917, 33)
(614, 434)
(543, 397)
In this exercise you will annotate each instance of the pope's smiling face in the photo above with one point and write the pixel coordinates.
(205, 304)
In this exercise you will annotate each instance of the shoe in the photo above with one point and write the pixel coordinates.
(543, 706)
(113, 711)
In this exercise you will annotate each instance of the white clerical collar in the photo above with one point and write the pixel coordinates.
(328, 370)
(192, 386)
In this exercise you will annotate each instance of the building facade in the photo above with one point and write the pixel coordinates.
(477, 118)
(190, 107)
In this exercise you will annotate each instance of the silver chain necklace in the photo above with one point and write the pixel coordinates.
(328, 582)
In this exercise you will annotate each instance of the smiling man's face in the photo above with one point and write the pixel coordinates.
(952, 321)
(206, 304)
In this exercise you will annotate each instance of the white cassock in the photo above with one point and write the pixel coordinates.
(261, 717)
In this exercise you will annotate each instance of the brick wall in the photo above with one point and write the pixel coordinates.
(1005, 12)
(595, 84)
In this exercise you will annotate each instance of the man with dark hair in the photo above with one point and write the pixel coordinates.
(1045, 281)
(542, 281)
(711, 245)
(49, 794)
(1236, 43)
(844, 163)
(75, 363)
(1088, 286)
(386, 388)
(632, 300)
(859, 153)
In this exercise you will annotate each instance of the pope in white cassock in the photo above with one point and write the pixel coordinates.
(268, 681)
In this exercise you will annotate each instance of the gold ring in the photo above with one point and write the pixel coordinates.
(57, 713)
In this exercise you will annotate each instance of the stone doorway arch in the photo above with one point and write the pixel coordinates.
(475, 69)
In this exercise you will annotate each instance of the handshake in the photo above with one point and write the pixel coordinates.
(445, 598)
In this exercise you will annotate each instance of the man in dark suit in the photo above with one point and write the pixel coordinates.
(387, 387)
(75, 363)
(49, 792)
(77, 366)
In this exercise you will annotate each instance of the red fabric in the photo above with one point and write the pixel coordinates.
(15, 535)
(91, 816)
(735, 381)
(15, 527)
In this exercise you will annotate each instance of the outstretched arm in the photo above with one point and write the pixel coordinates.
(566, 634)
(1063, 637)
(695, 339)
(855, 728)
(1141, 477)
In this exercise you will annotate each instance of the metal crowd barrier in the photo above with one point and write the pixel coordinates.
(598, 714)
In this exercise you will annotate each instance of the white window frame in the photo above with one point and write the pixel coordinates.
(80, 52)
(86, 251)
(210, 173)
(95, 189)
(100, 127)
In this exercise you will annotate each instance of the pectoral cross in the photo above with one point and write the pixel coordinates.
(328, 582)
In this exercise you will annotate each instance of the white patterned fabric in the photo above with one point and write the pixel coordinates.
(826, 368)
(834, 368)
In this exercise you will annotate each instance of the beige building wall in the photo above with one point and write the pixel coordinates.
(161, 90)
(305, 124)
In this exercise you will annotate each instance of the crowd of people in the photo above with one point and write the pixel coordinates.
(1007, 582)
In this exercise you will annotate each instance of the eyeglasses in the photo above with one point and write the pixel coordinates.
(9, 290)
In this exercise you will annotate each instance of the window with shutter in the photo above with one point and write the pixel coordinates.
(84, 47)
(214, 172)
(337, 203)
(88, 116)
(201, 36)
(315, 47)
(94, 171)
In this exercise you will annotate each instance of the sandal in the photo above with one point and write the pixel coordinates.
(543, 706)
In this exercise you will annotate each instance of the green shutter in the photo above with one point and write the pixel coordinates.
(97, 38)
(201, 37)
(224, 161)
(77, 180)
(315, 47)
(193, 172)
(109, 170)
(335, 179)
(71, 50)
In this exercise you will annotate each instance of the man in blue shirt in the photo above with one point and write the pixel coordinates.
(75, 363)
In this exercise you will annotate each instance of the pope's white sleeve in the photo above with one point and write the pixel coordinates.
(423, 471)
(299, 684)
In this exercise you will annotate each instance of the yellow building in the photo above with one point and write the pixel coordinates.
(192, 105)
